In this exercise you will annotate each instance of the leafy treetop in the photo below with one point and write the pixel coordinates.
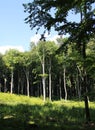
(53, 13)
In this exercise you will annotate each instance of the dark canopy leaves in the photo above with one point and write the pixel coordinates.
(54, 13)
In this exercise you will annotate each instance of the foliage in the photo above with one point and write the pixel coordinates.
(29, 64)
(40, 16)
(11, 58)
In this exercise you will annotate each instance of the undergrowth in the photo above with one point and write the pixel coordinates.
(22, 113)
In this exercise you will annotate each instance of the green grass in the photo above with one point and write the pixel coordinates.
(24, 113)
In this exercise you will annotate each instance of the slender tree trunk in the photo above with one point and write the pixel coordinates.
(26, 70)
(79, 76)
(27, 80)
(18, 84)
(43, 77)
(60, 91)
(22, 85)
(5, 83)
(40, 85)
(44, 93)
(50, 80)
(12, 81)
(65, 83)
(87, 111)
(78, 87)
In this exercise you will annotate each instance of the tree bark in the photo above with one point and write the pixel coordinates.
(27, 80)
(43, 77)
(12, 81)
(65, 84)
(87, 111)
(60, 91)
(50, 80)
(79, 76)
(5, 83)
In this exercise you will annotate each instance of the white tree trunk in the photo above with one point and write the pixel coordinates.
(43, 77)
(5, 82)
(43, 81)
(42, 59)
(12, 81)
(50, 80)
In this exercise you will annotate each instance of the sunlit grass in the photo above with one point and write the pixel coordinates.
(33, 110)
(13, 99)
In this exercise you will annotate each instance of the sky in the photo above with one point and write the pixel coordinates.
(14, 33)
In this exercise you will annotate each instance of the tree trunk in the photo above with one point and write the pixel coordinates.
(65, 84)
(87, 109)
(27, 80)
(22, 85)
(18, 84)
(12, 81)
(79, 79)
(60, 91)
(50, 80)
(87, 112)
(43, 77)
(5, 83)
(44, 93)
(26, 71)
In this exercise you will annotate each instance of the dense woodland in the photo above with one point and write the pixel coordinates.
(55, 71)
(43, 71)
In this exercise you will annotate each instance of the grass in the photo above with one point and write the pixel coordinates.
(24, 113)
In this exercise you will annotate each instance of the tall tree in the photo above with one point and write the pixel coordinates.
(11, 59)
(26, 61)
(51, 47)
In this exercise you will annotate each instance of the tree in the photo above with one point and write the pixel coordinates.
(1, 70)
(40, 16)
(10, 60)
(26, 61)
(41, 51)
(51, 47)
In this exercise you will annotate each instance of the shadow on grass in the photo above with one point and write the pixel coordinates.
(41, 117)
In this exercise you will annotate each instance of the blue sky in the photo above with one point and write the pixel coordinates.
(13, 30)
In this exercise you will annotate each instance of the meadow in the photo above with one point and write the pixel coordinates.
(19, 112)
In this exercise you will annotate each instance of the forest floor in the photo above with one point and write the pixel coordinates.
(28, 113)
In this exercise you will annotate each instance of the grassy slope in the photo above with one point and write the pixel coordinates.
(24, 113)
